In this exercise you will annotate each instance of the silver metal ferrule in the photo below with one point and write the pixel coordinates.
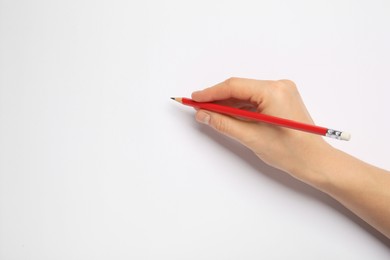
(334, 134)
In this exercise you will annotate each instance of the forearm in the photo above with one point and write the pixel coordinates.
(362, 188)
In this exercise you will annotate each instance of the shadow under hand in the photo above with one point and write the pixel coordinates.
(288, 181)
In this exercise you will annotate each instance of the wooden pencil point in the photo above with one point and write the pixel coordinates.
(177, 99)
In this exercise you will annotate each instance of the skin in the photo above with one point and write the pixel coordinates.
(362, 188)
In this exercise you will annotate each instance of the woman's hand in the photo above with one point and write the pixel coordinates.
(361, 187)
(282, 148)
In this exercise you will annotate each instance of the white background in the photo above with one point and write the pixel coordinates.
(96, 162)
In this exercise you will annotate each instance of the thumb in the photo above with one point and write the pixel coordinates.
(232, 127)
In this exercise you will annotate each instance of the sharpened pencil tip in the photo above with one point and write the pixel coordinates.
(177, 99)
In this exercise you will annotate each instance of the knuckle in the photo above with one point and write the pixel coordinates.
(231, 81)
(275, 84)
(285, 87)
(286, 83)
(219, 124)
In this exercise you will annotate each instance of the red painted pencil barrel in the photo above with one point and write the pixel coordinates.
(256, 116)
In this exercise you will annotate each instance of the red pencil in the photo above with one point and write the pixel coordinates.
(231, 111)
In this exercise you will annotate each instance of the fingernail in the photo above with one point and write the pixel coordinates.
(203, 117)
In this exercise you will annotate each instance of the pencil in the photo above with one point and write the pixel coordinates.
(231, 111)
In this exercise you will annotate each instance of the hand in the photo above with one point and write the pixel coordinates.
(282, 148)
(361, 187)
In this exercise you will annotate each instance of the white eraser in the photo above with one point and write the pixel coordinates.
(345, 136)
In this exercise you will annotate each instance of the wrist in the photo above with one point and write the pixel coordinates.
(314, 164)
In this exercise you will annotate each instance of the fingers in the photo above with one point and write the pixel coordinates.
(239, 88)
(236, 92)
(232, 127)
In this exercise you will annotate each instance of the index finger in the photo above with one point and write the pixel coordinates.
(239, 88)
